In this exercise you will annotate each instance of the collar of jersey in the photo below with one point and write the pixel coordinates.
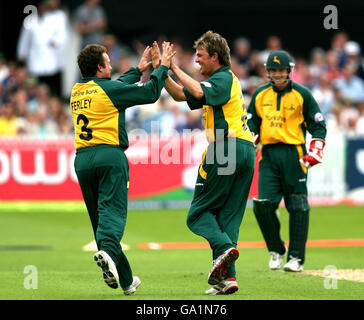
(223, 68)
(87, 79)
(286, 89)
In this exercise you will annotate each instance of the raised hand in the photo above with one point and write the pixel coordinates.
(156, 55)
(168, 54)
(144, 64)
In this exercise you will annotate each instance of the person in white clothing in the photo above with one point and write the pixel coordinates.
(40, 43)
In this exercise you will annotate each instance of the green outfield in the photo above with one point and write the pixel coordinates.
(49, 239)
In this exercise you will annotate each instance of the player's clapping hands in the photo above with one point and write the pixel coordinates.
(156, 55)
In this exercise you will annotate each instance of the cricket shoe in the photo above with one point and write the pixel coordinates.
(228, 286)
(109, 272)
(132, 288)
(276, 260)
(293, 265)
(220, 266)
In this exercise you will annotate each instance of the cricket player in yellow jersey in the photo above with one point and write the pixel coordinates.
(98, 109)
(222, 187)
(281, 113)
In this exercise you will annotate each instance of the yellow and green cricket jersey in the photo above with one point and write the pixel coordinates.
(98, 105)
(285, 116)
(223, 106)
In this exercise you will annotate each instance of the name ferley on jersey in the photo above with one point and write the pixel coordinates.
(81, 104)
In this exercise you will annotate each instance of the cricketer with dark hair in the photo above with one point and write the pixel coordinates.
(220, 198)
(98, 109)
(281, 113)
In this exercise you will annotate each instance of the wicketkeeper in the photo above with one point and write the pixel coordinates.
(281, 113)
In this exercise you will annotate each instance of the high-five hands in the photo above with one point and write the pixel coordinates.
(157, 59)
(167, 54)
(166, 57)
(156, 55)
(144, 64)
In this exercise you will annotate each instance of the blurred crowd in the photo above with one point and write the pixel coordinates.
(32, 103)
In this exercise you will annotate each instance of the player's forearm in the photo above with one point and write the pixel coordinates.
(175, 90)
(189, 83)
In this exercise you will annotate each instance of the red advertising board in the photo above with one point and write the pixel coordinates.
(43, 169)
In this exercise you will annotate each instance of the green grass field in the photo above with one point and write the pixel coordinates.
(51, 236)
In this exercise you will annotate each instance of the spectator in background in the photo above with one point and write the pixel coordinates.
(91, 22)
(59, 16)
(337, 45)
(186, 59)
(40, 43)
(352, 51)
(57, 114)
(21, 102)
(317, 64)
(253, 83)
(241, 71)
(9, 122)
(113, 49)
(324, 94)
(20, 87)
(65, 124)
(4, 70)
(255, 65)
(273, 43)
(9, 82)
(124, 64)
(350, 85)
(40, 100)
(164, 117)
(301, 73)
(241, 52)
(332, 65)
(46, 127)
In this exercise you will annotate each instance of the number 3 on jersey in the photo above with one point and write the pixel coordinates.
(84, 128)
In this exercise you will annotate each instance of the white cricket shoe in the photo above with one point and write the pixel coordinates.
(293, 265)
(227, 286)
(109, 272)
(132, 288)
(276, 260)
(221, 264)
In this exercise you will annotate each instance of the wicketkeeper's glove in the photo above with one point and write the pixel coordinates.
(315, 153)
